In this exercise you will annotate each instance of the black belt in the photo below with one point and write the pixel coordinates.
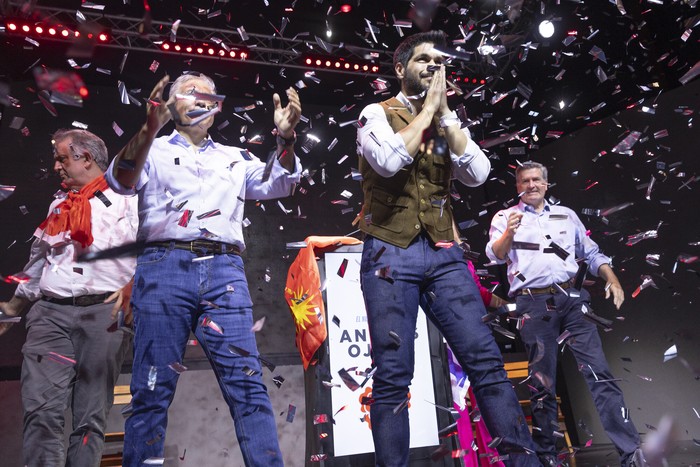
(206, 247)
(83, 300)
(552, 289)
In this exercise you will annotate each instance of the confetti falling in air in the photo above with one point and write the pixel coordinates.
(517, 107)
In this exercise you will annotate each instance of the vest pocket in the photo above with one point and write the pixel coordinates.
(439, 171)
(388, 210)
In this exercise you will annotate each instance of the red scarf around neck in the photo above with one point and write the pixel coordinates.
(74, 214)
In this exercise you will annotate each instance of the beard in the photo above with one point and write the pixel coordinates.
(413, 85)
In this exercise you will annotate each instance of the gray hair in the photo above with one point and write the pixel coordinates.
(179, 85)
(83, 141)
(529, 165)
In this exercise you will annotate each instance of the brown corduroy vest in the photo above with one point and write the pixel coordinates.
(415, 199)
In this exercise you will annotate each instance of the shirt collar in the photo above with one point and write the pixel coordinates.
(527, 208)
(176, 138)
(404, 100)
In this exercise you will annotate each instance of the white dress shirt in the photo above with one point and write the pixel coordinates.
(532, 262)
(53, 268)
(189, 193)
(386, 153)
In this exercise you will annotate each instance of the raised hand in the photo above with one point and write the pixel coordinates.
(157, 109)
(286, 118)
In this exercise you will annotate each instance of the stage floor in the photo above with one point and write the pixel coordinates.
(686, 453)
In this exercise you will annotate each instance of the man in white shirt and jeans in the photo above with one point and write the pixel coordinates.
(190, 276)
(74, 351)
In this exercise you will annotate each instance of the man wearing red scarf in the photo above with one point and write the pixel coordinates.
(73, 350)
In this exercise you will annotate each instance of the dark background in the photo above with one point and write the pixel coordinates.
(644, 328)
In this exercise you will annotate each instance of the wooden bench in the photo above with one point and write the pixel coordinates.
(122, 396)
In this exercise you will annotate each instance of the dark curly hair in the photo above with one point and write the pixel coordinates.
(405, 50)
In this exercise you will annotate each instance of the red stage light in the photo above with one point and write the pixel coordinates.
(52, 31)
(65, 33)
(244, 55)
(328, 63)
(483, 81)
(200, 50)
(89, 35)
(177, 47)
(211, 51)
(25, 28)
(337, 64)
(102, 37)
(222, 53)
(39, 30)
(345, 8)
(77, 33)
(356, 67)
(12, 26)
(189, 49)
(166, 46)
(365, 68)
(347, 66)
(232, 54)
(83, 91)
(318, 62)
(375, 69)
(308, 61)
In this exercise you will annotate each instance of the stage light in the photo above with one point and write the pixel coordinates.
(546, 29)
(25, 28)
(344, 64)
(39, 30)
(345, 8)
(204, 49)
(83, 91)
(102, 37)
(52, 31)
(65, 33)
(12, 26)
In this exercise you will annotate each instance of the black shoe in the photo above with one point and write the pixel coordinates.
(549, 460)
(637, 459)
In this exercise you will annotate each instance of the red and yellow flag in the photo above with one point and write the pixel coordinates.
(303, 295)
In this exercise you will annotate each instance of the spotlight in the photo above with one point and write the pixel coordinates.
(345, 8)
(546, 29)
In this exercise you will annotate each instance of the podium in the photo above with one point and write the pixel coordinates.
(338, 423)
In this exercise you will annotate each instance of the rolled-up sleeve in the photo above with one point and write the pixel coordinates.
(586, 248)
(279, 184)
(473, 167)
(125, 190)
(34, 268)
(384, 150)
(498, 226)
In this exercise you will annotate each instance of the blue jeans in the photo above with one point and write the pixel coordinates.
(539, 332)
(439, 281)
(172, 296)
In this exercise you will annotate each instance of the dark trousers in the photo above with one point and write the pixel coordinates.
(395, 281)
(56, 336)
(539, 332)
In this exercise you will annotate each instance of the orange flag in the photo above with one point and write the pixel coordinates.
(303, 295)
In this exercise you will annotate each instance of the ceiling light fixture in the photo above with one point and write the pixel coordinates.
(546, 29)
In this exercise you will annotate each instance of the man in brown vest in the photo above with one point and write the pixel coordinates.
(411, 147)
